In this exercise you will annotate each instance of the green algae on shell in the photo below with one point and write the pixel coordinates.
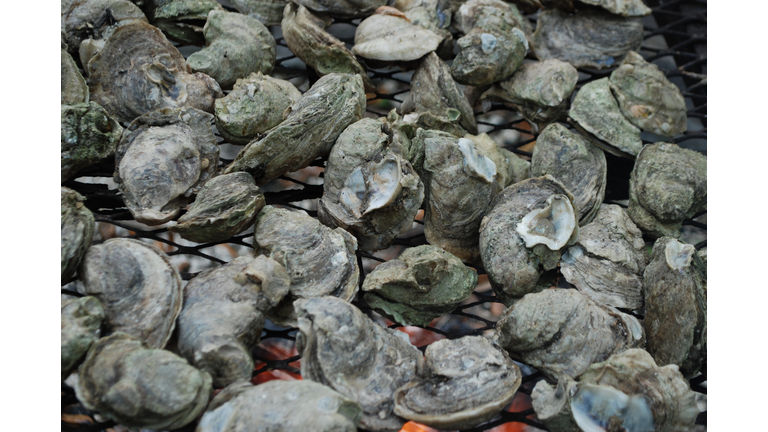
(74, 89)
(88, 135)
(77, 227)
(269, 12)
(80, 328)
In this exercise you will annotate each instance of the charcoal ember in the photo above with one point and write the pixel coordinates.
(77, 226)
(80, 328)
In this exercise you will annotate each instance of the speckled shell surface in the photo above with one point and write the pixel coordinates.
(77, 226)
(88, 135)
(80, 328)
(393, 38)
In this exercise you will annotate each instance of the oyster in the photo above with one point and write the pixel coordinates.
(343, 8)
(223, 316)
(427, 120)
(608, 261)
(343, 349)
(334, 102)
(319, 260)
(280, 406)
(424, 283)
(526, 229)
(467, 381)
(139, 71)
(574, 161)
(511, 167)
(226, 205)
(88, 135)
(73, 87)
(269, 12)
(668, 184)
(626, 8)
(236, 46)
(80, 327)
(162, 158)
(182, 21)
(561, 332)
(389, 36)
(433, 15)
(77, 226)
(140, 387)
(138, 287)
(676, 306)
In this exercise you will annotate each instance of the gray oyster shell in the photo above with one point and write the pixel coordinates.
(561, 332)
(626, 8)
(343, 8)
(389, 36)
(269, 12)
(236, 46)
(224, 313)
(608, 260)
(422, 284)
(433, 15)
(280, 406)
(343, 349)
(80, 327)
(319, 260)
(676, 306)
(88, 135)
(139, 387)
(164, 157)
(467, 381)
(226, 205)
(138, 287)
(139, 71)
(334, 102)
(668, 184)
(576, 163)
(74, 89)
(182, 21)
(77, 226)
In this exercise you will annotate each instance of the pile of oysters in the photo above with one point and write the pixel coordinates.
(605, 299)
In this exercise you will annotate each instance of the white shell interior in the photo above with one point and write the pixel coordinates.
(593, 405)
(678, 254)
(476, 164)
(361, 195)
(552, 225)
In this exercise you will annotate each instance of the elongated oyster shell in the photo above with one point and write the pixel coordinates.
(433, 15)
(223, 316)
(393, 37)
(80, 327)
(334, 102)
(162, 158)
(139, 71)
(468, 381)
(319, 260)
(138, 287)
(561, 332)
(140, 387)
(626, 8)
(77, 226)
(236, 46)
(88, 135)
(676, 306)
(74, 90)
(668, 184)
(182, 20)
(343, 349)
(343, 8)
(280, 406)
(269, 12)
(424, 283)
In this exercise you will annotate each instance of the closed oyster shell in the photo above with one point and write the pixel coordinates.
(138, 287)
(269, 12)
(393, 38)
(468, 381)
(182, 20)
(280, 406)
(343, 8)
(223, 316)
(80, 327)
(626, 8)
(433, 15)
(561, 332)
(74, 90)
(140, 387)
(162, 158)
(88, 135)
(236, 46)
(334, 102)
(319, 260)
(343, 349)
(77, 226)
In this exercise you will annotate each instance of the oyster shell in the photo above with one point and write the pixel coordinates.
(343, 8)
(139, 71)
(77, 226)
(668, 184)
(162, 158)
(80, 327)
(334, 102)
(236, 46)
(138, 287)
(575, 162)
(561, 332)
(140, 387)
(88, 135)
(182, 21)
(343, 349)
(389, 36)
(626, 8)
(468, 381)
(269, 12)
(73, 87)
(608, 260)
(223, 316)
(511, 167)
(280, 406)
(676, 306)
(433, 15)
(319, 260)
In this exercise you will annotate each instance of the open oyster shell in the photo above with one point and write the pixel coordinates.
(74, 89)
(280, 406)
(468, 381)
(561, 332)
(389, 36)
(77, 226)
(138, 287)
(139, 387)
(162, 158)
(223, 316)
(236, 46)
(343, 349)
(269, 12)
(626, 8)
(80, 327)
(334, 102)
(182, 20)
(424, 283)
(88, 135)
(343, 8)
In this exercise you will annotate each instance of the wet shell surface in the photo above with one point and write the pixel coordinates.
(77, 226)
(80, 328)
(393, 38)
(269, 12)
(74, 89)
(88, 135)
(182, 21)
(343, 8)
